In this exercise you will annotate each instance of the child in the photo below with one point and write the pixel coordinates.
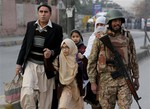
(76, 36)
(68, 68)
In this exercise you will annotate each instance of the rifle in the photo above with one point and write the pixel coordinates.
(122, 71)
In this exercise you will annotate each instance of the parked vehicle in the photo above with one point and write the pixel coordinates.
(148, 24)
(99, 14)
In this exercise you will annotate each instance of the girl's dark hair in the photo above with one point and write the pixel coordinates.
(45, 5)
(76, 31)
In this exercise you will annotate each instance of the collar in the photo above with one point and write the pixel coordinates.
(40, 29)
(48, 24)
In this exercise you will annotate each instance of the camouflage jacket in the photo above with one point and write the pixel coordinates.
(98, 57)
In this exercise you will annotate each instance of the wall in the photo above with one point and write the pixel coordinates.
(14, 17)
(8, 14)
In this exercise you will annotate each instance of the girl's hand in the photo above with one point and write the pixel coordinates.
(80, 56)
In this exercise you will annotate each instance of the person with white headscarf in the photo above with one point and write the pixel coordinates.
(68, 68)
(98, 31)
(99, 27)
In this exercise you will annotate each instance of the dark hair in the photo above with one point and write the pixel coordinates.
(45, 5)
(76, 31)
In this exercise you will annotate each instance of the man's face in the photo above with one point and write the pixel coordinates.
(116, 24)
(44, 14)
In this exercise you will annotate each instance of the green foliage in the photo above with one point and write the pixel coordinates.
(142, 9)
(84, 8)
(53, 2)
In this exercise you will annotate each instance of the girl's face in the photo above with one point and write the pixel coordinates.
(75, 37)
(65, 49)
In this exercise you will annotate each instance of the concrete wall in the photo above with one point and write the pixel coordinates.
(9, 14)
(20, 15)
(28, 12)
(15, 16)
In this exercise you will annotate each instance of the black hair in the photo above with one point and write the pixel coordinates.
(76, 31)
(45, 5)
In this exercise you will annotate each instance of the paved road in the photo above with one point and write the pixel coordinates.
(8, 56)
(144, 86)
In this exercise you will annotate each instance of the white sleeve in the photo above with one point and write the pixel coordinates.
(89, 46)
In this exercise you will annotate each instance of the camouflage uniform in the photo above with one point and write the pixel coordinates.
(111, 90)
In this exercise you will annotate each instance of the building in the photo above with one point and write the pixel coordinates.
(14, 15)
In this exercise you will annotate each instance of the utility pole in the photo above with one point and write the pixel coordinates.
(70, 11)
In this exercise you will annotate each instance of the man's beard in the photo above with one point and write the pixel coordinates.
(118, 30)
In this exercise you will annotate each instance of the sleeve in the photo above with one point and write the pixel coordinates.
(56, 63)
(89, 46)
(55, 44)
(22, 51)
(92, 61)
(59, 39)
(133, 58)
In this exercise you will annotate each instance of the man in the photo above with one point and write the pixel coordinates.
(100, 65)
(41, 42)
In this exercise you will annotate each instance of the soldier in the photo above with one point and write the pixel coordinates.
(100, 65)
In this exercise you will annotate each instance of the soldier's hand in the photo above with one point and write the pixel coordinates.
(18, 69)
(136, 84)
(98, 35)
(94, 87)
(47, 53)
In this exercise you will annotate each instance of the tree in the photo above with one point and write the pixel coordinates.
(84, 6)
(142, 10)
(54, 2)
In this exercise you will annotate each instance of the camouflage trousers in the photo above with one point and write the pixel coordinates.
(112, 91)
(96, 107)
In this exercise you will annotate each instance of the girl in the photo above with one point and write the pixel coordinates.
(68, 68)
(76, 36)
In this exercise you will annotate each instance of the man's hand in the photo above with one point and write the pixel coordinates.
(136, 84)
(18, 69)
(47, 53)
(94, 87)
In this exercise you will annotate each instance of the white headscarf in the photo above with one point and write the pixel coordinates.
(68, 65)
(92, 37)
(101, 19)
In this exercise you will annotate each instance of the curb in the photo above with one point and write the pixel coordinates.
(140, 55)
(144, 53)
(11, 43)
